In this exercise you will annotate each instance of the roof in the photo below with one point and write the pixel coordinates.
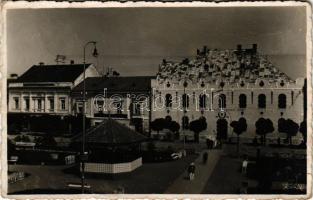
(230, 65)
(111, 132)
(116, 84)
(52, 73)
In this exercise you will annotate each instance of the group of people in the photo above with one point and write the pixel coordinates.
(213, 143)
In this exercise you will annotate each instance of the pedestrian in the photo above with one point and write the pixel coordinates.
(215, 143)
(191, 171)
(244, 188)
(205, 157)
(245, 165)
(207, 143)
(211, 144)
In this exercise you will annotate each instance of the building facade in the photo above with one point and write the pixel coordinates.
(219, 86)
(44, 90)
(224, 85)
(125, 99)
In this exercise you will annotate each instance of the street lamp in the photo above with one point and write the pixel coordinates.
(184, 111)
(84, 154)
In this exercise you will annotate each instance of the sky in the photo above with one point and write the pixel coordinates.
(135, 40)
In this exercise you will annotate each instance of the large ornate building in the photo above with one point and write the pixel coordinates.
(225, 85)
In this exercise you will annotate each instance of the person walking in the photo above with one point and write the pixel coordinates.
(245, 165)
(191, 171)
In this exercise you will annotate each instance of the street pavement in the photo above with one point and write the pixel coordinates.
(220, 175)
(147, 179)
(182, 185)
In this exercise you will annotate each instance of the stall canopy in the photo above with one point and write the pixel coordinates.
(111, 133)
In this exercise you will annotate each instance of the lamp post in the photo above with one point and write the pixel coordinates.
(184, 111)
(83, 153)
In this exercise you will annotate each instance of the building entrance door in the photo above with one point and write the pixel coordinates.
(221, 129)
(138, 123)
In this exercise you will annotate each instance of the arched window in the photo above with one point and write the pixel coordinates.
(282, 101)
(168, 100)
(222, 101)
(262, 101)
(118, 106)
(242, 101)
(137, 109)
(202, 100)
(185, 101)
(185, 122)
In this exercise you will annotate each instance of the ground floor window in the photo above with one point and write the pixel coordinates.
(16, 103)
(39, 104)
(26, 99)
(62, 103)
(51, 104)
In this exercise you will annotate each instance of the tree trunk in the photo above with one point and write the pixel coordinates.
(238, 144)
(290, 140)
(196, 137)
(264, 140)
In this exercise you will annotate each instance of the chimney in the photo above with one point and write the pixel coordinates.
(41, 63)
(239, 47)
(205, 49)
(254, 47)
(13, 76)
(164, 61)
(72, 62)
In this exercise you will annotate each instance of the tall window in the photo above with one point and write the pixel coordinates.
(168, 100)
(79, 107)
(51, 104)
(118, 106)
(232, 97)
(26, 99)
(193, 97)
(185, 101)
(99, 103)
(17, 103)
(160, 97)
(185, 122)
(262, 101)
(39, 104)
(242, 101)
(282, 101)
(202, 101)
(137, 109)
(222, 101)
(62, 103)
